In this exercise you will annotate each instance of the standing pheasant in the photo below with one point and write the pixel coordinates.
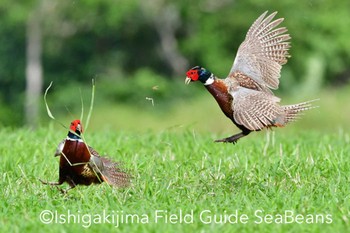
(81, 164)
(245, 96)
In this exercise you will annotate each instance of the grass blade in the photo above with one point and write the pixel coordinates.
(47, 106)
(91, 104)
(82, 106)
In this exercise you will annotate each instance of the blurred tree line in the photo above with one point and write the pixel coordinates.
(130, 46)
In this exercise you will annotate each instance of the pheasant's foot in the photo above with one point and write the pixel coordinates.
(49, 183)
(233, 139)
(63, 191)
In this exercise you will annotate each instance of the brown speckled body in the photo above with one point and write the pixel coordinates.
(218, 89)
(77, 153)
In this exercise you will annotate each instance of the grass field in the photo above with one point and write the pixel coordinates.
(287, 180)
(183, 182)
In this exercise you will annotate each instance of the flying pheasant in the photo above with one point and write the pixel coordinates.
(245, 96)
(81, 164)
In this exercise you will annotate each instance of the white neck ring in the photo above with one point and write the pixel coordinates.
(210, 80)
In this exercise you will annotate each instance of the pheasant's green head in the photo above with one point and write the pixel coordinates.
(198, 73)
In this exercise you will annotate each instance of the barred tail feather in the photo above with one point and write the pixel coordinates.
(114, 174)
(294, 111)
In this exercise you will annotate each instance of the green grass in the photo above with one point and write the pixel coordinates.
(177, 168)
(181, 170)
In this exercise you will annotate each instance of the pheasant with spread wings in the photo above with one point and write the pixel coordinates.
(245, 96)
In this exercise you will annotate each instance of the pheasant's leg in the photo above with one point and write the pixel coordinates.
(234, 138)
(55, 184)
(50, 183)
(71, 185)
(64, 191)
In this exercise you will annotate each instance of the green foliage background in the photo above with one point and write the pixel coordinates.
(115, 42)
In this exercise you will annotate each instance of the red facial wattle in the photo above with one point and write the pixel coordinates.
(76, 125)
(193, 75)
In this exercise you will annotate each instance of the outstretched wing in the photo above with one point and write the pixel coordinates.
(256, 110)
(263, 52)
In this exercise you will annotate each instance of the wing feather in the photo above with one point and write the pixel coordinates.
(254, 109)
(263, 52)
(60, 148)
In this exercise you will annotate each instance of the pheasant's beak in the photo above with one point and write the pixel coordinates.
(187, 80)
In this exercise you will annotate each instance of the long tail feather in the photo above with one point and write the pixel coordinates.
(114, 174)
(294, 111)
